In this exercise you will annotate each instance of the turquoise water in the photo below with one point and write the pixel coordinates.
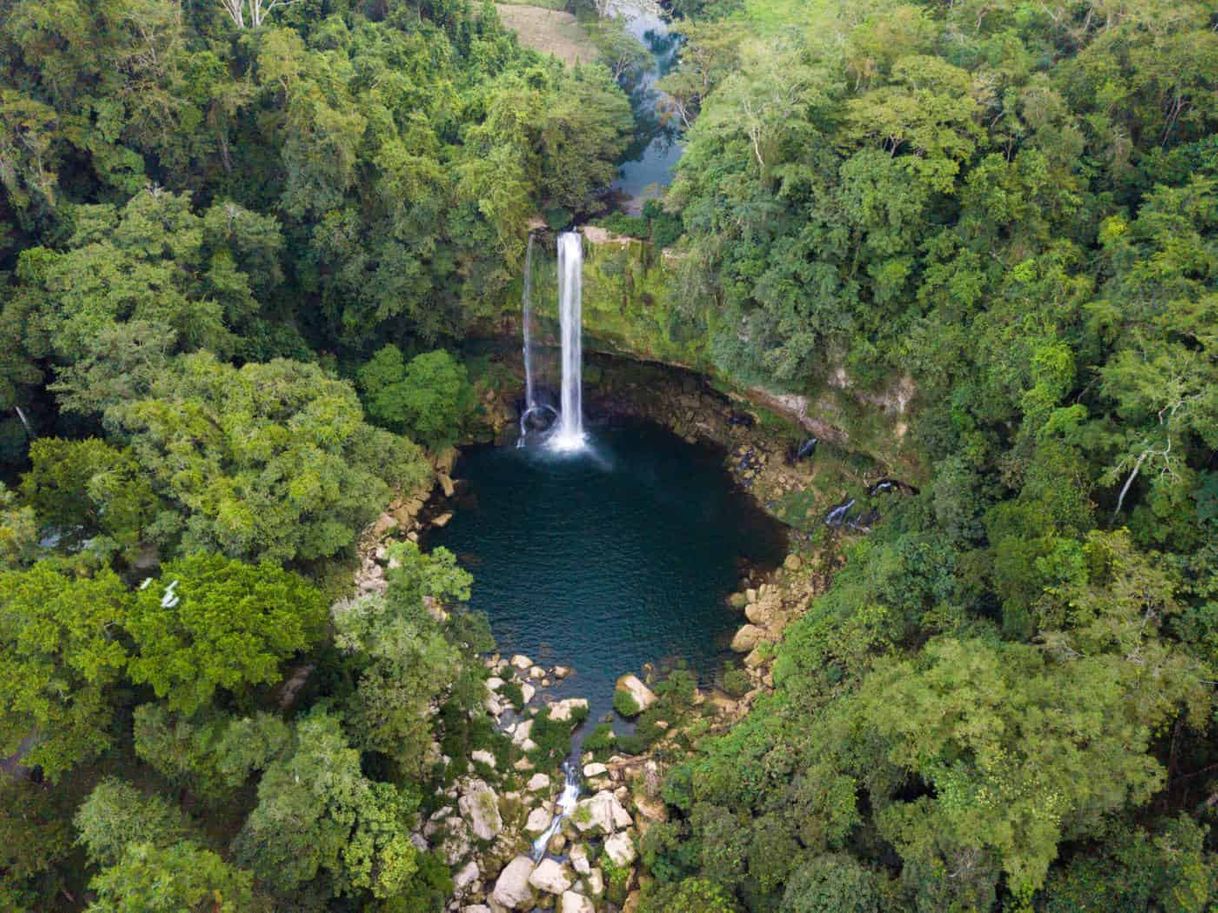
(609, 559)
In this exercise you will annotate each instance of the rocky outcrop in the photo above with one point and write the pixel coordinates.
(563, 711)
(576, 903)
(552, 877)
(513, 890)
(480, 807)
(620, 848)
(603, 813)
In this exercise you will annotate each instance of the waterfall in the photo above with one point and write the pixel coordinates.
(526, 296)
(566, 805)
(570, 434)
(25, 422)
(527, 305)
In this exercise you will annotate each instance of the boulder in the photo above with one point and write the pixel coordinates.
(539, 820)
(603, 812)
(643, 696)
(576, 903)
(521, 662)
(512, 889)
(523, 730)
(596, 882)
(466, 876)
(595, 769)
(527, 691)
(620, 848)
(551, 876)
(579, 859)
(747, 638)
(480, 807)
(561, 672)
(538, 782)
(651, 809)
(446, 484)
(384, 525)
(476, 908)
(482, 756)
(793, 562)
(443, 519)
(562, 711)
(536, 672)
(455, 845)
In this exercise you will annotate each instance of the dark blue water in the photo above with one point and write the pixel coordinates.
(610, 559)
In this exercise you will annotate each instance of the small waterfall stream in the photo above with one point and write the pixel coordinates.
(566, 805)
(570, 432)
(527, 303)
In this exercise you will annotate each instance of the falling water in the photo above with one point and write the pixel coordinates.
(566, 805)
(570, 434)
(25, 422)
(530, 398)
(527, 302)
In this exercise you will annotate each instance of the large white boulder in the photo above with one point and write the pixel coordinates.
(538, 782)
(643, 696)
(620, 848)
(539, 820)
(562, 711)
(465, 877)
(521, 733)
(512, 890)
(603, 813)
(522, 662)
(480, 807)
(595, 769)
(579, 859)
(482, 756)
(576, 903)
(551, 876)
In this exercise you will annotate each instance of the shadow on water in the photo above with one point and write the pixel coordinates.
(609, 559)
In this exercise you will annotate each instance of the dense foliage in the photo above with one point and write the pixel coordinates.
(237, 242)
(220, 225)
(1006, 699)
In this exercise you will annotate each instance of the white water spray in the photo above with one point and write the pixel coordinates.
(566, 805)
(570, 433)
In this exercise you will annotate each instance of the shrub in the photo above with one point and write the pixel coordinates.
(736, 682)
(600, 739)
(624, 704)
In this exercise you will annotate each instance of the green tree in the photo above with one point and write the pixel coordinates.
(212, 622)
(407, 662)
(427, 398)
(117, 814)
(60, 638)
(82, 489)
(264, 461)
(317, 812)
(170, 879)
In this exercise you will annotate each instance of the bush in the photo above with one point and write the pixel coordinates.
(553, 738)
(428, 397)
(514, 693)
(736, 682)
(600, 739)
(624, 704)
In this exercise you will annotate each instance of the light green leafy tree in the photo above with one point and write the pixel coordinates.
(212, 622)
(60, 635)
